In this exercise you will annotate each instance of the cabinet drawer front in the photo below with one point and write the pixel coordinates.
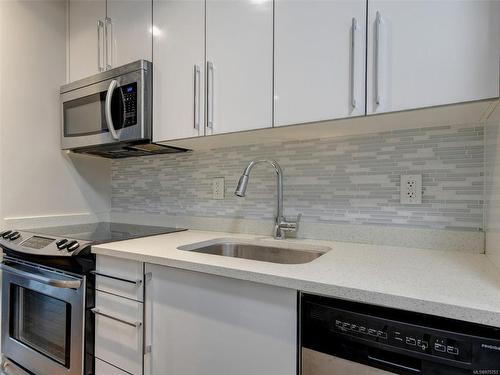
(122, 277)
(119, 332)
(103, 368)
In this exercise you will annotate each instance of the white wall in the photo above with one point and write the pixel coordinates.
(38, 180)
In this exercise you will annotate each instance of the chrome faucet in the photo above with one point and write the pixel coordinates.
(282, 224)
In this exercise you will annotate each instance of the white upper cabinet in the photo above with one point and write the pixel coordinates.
(179, 69)
(427, 53)
(130, 24)
(106, 34)
(86, 37)
(239, 50)
(320, 54)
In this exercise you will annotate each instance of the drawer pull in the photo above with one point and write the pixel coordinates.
(354, 27)
(124, 321)
(378, 25)
(135, 282)
(210, 95)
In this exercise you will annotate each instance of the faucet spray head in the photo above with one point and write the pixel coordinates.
(241, 189)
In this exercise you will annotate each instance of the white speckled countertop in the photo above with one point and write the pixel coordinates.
(451, 284)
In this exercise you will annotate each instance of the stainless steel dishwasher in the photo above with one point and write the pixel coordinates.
(349, 338)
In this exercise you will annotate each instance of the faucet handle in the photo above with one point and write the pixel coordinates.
(291, 225)
(297, 220)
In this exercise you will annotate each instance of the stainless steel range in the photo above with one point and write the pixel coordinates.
(48, 295)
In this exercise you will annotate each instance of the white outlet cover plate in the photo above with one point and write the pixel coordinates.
(218, 188)
(411, 189)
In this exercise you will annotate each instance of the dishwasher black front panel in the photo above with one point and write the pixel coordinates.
(398, 341)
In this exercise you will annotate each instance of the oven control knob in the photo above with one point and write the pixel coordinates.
(61, 244)
(6, 233)
(14, 236)
(72, 246)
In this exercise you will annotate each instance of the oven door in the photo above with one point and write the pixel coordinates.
(42, 318)
(106, 112)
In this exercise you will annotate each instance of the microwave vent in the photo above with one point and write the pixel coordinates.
(128, 150)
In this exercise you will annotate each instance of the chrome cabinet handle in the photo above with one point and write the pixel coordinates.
(108, 29)
(135, 282)
(378, 22)
(197, 96)
(107, 109)
(58, 283)
(96, 311)
(354, 27)
(210, 95)
(100, 45)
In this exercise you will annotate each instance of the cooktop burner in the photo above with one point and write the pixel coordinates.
(104, 232)
(72, 240)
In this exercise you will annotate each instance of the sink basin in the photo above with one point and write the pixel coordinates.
(257, 251)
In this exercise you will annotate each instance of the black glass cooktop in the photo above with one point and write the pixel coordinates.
(104, 232)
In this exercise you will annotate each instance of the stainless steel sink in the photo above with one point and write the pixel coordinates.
(261, 252)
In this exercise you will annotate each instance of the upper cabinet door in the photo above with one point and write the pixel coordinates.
(427, 53)
(86, 37)
(130, 31)
(179, 69)
(239, 43)
(320, 50)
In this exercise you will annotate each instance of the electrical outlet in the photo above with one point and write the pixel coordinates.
(411, 189)
(218, 188)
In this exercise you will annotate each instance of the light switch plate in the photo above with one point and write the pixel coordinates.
(218, 188)
(411, 189)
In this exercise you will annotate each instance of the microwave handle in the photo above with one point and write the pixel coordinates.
(107, 109)
(58, 283)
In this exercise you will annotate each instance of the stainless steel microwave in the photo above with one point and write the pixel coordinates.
(110, 114)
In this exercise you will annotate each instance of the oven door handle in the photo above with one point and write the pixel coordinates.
(58, 283)
(8, 368)
(107, 109)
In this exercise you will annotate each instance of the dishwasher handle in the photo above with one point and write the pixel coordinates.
(393, 364)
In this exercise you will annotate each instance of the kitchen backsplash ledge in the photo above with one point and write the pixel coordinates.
(433, 239)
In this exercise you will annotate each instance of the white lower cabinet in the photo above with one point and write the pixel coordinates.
(121, 277)
(119, 333)
(200, 324)
(104, 368)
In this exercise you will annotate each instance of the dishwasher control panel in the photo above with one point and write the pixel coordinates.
(417, 339)
(397, 341)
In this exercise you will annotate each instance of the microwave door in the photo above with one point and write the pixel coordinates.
(103, 113)
(84, 117)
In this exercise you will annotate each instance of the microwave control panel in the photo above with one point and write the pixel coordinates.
(130, 104)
